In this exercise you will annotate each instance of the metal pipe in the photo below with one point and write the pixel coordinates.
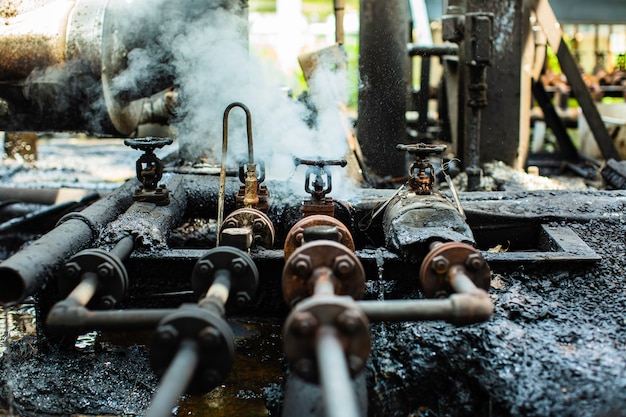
(340, 6)
(335, 379)
(220, 288)
(124, 248)
(65, 318)
(84, 292)
(175, 380)
(323, 282)
(435, 50)
(461, 282)
(25, 272)
(457, 309)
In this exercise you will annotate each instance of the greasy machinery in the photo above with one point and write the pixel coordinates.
(320, 252)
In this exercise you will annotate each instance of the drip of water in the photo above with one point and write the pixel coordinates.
(7, 356)
(380, 264)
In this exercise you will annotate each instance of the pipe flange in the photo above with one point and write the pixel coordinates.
(435, 269)
(263, 232)
(302, 325)
(244, 275)
(215, 340)
(112, 277)
(347, 270)
(295, 236)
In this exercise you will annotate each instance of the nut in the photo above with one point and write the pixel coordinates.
(301, 264)
(71, 270)
(167, 333)
(107, 302)
(343, 265)
(440, 264)
(242, 300)
(349, 321)
(205, 267)
(106, 270)
(299, 236)
(238, 265)
(304, 323)
(229, 223)
(210, 337)
(475, 261)
(258, 226)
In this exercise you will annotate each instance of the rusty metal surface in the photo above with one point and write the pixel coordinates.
(437, 272)
(347, 272)
(294, 238)
(260, 226)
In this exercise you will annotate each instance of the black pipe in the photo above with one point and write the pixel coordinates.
(28, 270)
(434, 50)
(67, 318)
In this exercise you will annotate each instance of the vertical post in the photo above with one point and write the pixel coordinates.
(383, 69)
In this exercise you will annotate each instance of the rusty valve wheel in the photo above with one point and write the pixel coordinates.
(437, 268)
(347, 271)
(112, 277)
(263, 233)
(341, 313)
(215, 340)
(295, 236)
(244, 275)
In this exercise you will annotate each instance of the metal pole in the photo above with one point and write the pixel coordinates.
(84, 291)
(175, 380)
(335, 379)
(79, 319)
(124, 247)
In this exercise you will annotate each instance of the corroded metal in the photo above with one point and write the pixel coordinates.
(261, 228)
(322, 184)
(295, 236)
(448, 266)
(149, 170)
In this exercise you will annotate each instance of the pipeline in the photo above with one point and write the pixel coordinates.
(28, 270)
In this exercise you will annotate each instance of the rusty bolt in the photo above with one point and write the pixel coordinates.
(299, 237)
(167, 333)
(105, 270)
(238, 265)
(304, 323)
(258, 226)
(107, 302)
(205, 267)
(343, 265)
(304, 367)
(231, 223)
(301, 263)
(72, 269)
(440, 264)
(475, 261)
(349, 321)
(242, 300)
(210, 337)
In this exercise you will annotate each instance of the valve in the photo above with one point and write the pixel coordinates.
(149, 170)
(318, 183)
(422, 172)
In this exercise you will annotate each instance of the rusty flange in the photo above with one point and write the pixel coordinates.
(112, 277)
(261, 226)
(347, 272)
(435, 269)
(215, 340)
(305, 320)
(244, 275)
(295, 236)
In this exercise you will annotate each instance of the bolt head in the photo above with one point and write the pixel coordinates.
(258, 226)
(205, 267)
(167, 333)
(238, 265)
(106, 270)
(210, 337)
(71, 269)
(349, 321)
(299, 236)
(301, 264)
(230, 223)
(475, 261)
(440, 264)
(304, 323)
(107, 302)
(343, 265)
(242, 300)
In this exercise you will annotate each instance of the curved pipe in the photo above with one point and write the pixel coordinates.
(221, 196)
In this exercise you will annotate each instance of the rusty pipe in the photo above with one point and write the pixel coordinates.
(27, 271)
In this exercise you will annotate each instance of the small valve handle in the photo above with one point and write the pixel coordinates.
(320, 162)
(318, 168)
(422, 150)
(147, 144)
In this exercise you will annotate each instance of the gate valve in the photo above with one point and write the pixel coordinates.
(319, 182)
(422, 172)
(149, 170)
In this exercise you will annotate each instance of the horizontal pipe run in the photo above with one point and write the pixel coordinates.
(27, 271)
(71, 319)
(436, 50)
(456, 309)
(175, 380)
(335, 381)
(124, 248)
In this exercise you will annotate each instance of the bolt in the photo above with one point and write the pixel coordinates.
(302, 265)
(105, 270)
(440, 264)
(305, 368)
(475, 261)
(304, 323)
(205, 267)
(167, 333)
(343, 265)
(242, 300)
(299, 237)
(210, 337)
(72, 269)
(258, 226)
(231, 223)
(238, 265)
(349, 321)
(212, 378)
(355, 363)
(107, 302)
